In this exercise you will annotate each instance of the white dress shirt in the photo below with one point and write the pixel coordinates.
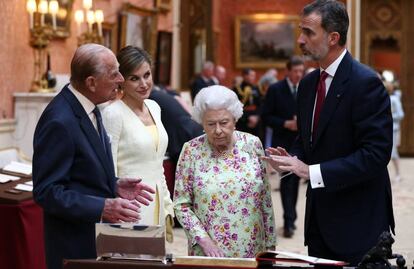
(86, 104)
(315, 173)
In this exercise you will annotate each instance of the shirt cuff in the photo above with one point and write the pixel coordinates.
(316, 176)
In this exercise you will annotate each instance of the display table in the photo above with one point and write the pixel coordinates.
(21, 230)
(92, 264)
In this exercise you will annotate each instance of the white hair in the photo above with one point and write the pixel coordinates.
(216, 97)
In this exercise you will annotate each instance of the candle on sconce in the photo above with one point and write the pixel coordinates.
(42, 8)
(54, 9)
(90, 18)
(87, 4)
(31, 8)
(79, 18)
(99, 18)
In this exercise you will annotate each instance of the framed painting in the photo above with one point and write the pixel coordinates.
(139, 28)
(109, 36)
(265, 40)
(164, 58)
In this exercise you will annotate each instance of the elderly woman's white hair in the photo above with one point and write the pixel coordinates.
(216, 97)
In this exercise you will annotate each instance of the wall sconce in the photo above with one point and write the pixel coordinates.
(91, 35)
(41, 34)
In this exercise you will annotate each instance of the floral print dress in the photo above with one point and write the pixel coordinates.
(225, 197)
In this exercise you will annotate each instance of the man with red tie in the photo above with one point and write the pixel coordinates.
(344, 142)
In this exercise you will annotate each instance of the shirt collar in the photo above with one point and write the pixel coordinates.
(290, 83)
(83, 100)
(331, 69)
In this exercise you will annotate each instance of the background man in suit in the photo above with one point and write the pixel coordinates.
(203, 80)
(344, 142)
(73, 173)
(279, 112)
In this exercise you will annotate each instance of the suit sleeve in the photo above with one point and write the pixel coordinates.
(372, 131)
(269, 116)
(54, 155)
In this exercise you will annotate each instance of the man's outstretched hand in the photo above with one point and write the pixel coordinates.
(134, 189)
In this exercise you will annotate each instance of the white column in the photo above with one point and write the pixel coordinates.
(176, 46)
(354, 31)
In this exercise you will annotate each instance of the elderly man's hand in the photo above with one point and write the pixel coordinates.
(118, 209)
(210, 248)
(134, 189)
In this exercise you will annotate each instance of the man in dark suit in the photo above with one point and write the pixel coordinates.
(73, 173)
(344, 142)
(279, 112)
(205, 79)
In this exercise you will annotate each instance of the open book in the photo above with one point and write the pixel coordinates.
(290, 257)
(18, 168)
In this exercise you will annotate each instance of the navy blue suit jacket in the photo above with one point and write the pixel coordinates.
(353, 147)
(72, 176)
(279, 106)
(198, 84)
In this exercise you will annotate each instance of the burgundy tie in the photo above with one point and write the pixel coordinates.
(321, 92)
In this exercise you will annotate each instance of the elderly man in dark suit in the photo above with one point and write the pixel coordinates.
(73, 173)
(204, 79)
(344, 142)
(279, 113)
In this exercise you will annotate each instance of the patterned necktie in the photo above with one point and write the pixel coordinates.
(101, 130)
(320, 98)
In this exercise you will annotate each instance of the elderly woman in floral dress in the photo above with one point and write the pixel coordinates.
(222, 195)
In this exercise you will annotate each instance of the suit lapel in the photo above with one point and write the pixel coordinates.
(287, 92)
(92, 135)
(334, 95)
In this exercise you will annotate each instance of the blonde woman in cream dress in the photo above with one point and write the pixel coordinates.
(138, 138)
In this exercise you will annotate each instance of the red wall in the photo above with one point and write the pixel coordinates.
(224, 22)
(16, 54)
(390, 60)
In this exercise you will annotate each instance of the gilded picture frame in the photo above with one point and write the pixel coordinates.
(63, 19)
(139, 28)
(164, 58)
(265, 40)
(110, 36)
